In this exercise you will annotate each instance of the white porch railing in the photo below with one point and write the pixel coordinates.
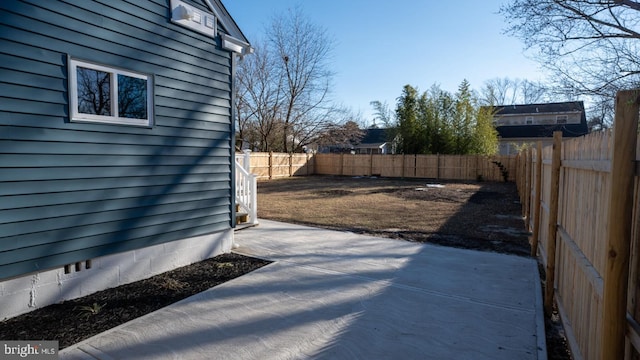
(246, 187)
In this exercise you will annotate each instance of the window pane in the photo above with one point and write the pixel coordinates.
(132, 97)
(94, 91)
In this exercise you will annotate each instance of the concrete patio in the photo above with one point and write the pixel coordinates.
(338, 295)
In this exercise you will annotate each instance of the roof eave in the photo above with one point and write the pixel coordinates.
(236, 45)
(235, 41)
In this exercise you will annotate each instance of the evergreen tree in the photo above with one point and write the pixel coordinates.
(442, 107)
(408, 125)
(427, 123)
(464, 119)
(437, 122)
(485, 134)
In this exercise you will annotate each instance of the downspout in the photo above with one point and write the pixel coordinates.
(238, 49)
(232, 147)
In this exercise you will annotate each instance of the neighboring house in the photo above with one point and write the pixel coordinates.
(518, 125)
(375, 141)
(116, 143)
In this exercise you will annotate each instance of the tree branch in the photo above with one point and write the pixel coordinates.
(591, 19)
(632, 4)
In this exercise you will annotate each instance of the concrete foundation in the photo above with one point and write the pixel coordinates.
(23, 294)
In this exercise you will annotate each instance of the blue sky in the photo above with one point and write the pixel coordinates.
(382, 45)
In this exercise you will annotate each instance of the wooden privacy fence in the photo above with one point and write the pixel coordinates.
(580, 200)
(449, 167)
(278, 165)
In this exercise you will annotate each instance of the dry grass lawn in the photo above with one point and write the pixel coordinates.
(483, 216)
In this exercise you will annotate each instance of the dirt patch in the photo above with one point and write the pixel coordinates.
(333, 192)
(75, 320)
(443, 194)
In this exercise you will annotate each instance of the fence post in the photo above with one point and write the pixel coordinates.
(536, 201)
(306, 164)
(290, 164)
(518, 176)
(314, 170)
(522, 172)
(246, 161)
(527, 187)
(371, 164)
(270, 165)
(616, 272)
(404, 165)
(530, 187)
(437, 166)
(553, 222)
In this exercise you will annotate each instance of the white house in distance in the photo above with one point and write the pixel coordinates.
(526, 124)
(375, 141)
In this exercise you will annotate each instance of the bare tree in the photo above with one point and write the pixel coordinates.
(282, 94)
(259, 99)
(600, 114)
(94, 92)
(506, 91)
(341, 136)
(303, 50)
(591, 46)
(132, 97)
(499, 91)
(533, 92)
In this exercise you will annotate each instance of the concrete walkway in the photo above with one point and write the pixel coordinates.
(338, 295)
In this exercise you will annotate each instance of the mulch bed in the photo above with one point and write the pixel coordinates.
(75, 320)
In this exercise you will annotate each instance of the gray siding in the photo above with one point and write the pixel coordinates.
(74, 191)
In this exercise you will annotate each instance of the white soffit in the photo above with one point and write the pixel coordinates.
(234, 45)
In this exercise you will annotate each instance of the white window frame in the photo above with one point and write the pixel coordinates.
(76, 116)
(528, 120)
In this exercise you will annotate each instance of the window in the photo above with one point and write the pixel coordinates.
(107, 95)
(529, 120)
(561, 119)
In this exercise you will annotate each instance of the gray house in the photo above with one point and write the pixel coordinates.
(375, 141)
(519, 125)
(116, 143)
